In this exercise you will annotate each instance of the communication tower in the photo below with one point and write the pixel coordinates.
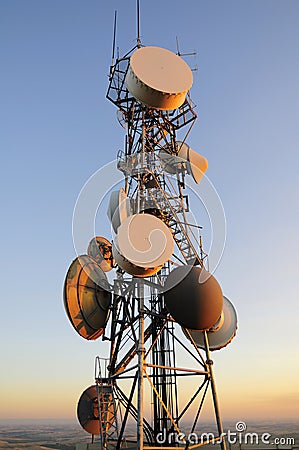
(161, 285)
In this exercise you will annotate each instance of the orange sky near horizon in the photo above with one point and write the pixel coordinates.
(245, 392)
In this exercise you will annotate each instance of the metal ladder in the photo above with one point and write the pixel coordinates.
(107, 407)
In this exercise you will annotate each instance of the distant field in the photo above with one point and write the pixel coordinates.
(39, 436)
(65, 436)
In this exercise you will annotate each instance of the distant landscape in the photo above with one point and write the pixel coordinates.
(40, 435)
(64, 435)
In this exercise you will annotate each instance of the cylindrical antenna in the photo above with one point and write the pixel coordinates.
(177, 46)
(138, 25)
(114, 38)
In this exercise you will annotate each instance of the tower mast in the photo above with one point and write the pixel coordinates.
(162, 302)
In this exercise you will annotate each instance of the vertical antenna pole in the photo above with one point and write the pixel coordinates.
(177, 46)
(113, 46)
(209, 363)
(114, 37)
(138, 25)
(140, 290)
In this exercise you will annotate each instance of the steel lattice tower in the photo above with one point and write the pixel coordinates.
(141, 380)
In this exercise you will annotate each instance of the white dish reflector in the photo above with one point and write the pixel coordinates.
(143, 244)
(158, 78)
(119, 208)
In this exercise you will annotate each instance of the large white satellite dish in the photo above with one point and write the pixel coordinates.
(127, 266)
(142, 245)
(158, 78)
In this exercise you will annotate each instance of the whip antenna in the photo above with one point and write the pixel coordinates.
(113, 44)
(114, 37)
(138, 25)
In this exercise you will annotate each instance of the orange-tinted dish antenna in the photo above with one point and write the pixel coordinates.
(158, 78)
(220, 335)
(119, 208)
(88, 410)
(101, 250)
(193, 297)
(87, 297)
(96, 409)
(142, 245)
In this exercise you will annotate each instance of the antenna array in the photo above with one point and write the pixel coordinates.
(163, 303)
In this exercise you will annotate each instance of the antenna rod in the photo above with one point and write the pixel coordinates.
(138, 25)
(114, 37)
(177, 46)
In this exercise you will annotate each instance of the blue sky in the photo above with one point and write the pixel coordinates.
(57, 129)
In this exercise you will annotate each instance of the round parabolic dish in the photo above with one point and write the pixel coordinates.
(183, 150)
(130, 268)
(113, 204)
(94, 407)
(158, 78)
(87, 297)
(224, 335)
(198, 165)
(119, 208)
(88, 411)
(145, 240)
(193, 297)
(100, 249)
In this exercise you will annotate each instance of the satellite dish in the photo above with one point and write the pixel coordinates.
(101, 250)
(122, 120)
(87, 297)
(143, 244)
(195, 164)
(95, 404)
(193, 297)
(119, 208)
(158, 78)
(219, 336)
(88, 411)
(130, 268)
